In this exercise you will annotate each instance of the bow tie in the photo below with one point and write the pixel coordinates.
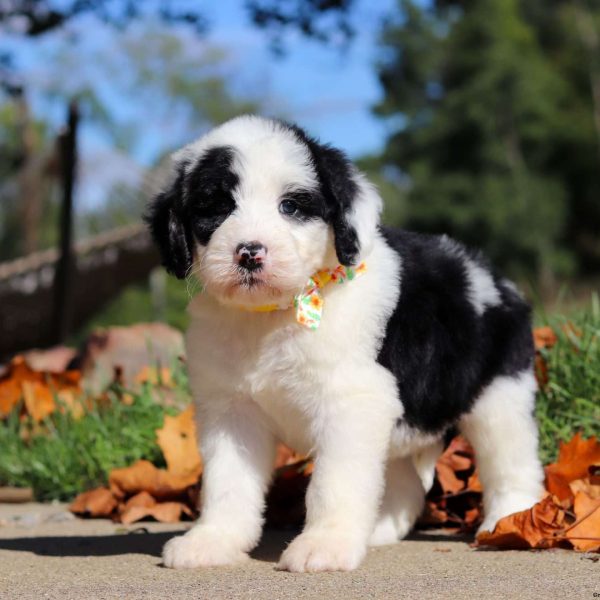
(308, 304)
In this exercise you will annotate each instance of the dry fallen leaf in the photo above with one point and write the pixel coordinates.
(574, 459)
(458, 456)
(179, 445)
(544, 337)
(537, 527)
(143, 505)
(587, 486)
(584, 534)
(95, 503)
(38, 390)
(143, 476)
(155, 376)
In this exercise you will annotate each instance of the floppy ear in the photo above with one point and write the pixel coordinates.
(166, 224)
(354, 202)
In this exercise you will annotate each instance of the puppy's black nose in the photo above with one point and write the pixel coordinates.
(251, 255)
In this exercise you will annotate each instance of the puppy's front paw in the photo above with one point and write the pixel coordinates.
(202, 547)
(325, 550)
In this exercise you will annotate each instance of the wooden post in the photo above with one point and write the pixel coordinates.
(63, 278)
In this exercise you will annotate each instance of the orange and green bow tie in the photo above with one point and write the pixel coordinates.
(309, 303)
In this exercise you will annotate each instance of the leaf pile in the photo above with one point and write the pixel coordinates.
(42, 392)
(143, 490)
(569, 515)
(454, 501)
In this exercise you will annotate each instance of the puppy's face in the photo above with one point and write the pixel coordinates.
(256, 207)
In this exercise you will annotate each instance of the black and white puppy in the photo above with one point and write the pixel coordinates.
(427, 338)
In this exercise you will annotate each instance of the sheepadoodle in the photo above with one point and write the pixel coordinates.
(357, 344)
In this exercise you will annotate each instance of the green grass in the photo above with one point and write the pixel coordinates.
(135, 305)
(72, 455)
(570, 402)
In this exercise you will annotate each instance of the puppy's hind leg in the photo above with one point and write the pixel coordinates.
(502, 429)
(402, 502)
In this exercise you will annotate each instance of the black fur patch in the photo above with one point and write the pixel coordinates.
(192, 208)
(310, 204)
(440, 350)
(209, 192)
(165, 219)
(338, 188)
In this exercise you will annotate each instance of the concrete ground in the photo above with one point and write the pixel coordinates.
(45, 553)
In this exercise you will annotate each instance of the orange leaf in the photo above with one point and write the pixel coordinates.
(179, 445)
(165, 512)
(37, 389)
(544, 337)
(584, 534)
(458, 456)
(143, 476)
(39, 400)
(155, 376)
(587, 486)
(448, 480)
(574, 459)
(537, 527)
(95, 503)
(474, 484)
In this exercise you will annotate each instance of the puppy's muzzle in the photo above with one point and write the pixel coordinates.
(251, 255)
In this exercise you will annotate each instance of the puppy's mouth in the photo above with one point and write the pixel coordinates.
(250, 283)
(250, 280)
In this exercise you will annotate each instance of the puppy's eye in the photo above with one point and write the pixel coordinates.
(289, 208)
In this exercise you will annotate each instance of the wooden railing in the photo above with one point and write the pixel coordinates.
(103, 266)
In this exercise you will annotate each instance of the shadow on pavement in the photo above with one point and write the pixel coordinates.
(271, 545)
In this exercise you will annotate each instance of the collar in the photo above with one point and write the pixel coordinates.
(308, 304)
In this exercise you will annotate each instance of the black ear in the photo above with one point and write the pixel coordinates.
(339, 186)
(167, 227)
(335, 173)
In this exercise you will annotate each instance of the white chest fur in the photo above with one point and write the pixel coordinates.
(291, 372)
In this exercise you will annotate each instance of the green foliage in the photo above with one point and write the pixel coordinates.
(491, 124)
(135, 305)
(72, 455)
(570, 402)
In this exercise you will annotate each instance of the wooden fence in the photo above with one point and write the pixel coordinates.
(102, 266)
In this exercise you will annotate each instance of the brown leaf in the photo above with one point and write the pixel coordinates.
(584, 534)
(143, 505)
(447, 478)
(179, 445)
(37, 389)
(39, 400)
(544, 337)
(537, 527)
(474, 484)
(433, 514)
(143, 476)
(95, 503)
(574, 459)
(586, 486)
(458, 456)
(155, 376)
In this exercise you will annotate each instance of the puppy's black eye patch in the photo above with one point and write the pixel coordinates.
(303, 205)
(209, 192)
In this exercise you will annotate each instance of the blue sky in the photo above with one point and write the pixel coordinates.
(327, 90)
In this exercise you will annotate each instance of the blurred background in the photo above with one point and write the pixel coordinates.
(476, 118)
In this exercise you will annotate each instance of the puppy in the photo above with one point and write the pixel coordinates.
(354, 343)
